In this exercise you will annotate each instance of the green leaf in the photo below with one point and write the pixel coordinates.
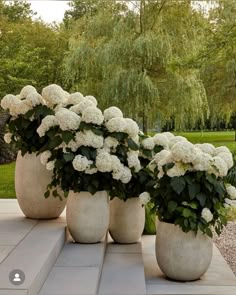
(193, 190)
(209, 232)
(68, 157)
(132, 145)
(172, 205)
(85, 152)
(67, 136)
(178, 184)
(186, 212)
(157, 148)
(201, 198)
(55, 142)
(47, 194)
(98, 131)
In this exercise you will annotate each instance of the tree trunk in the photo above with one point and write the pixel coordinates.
(145, 122)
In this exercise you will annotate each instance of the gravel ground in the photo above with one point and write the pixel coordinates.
(226, 243)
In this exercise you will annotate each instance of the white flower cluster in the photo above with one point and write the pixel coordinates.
(207, 215)
(92, 115)
(67, 119)
(125, 125)
(81, 163)
(144, 198)
(231, 191)
(54, 95)
(8, 137)
(47, 122)
(186, 156)
(45, 156)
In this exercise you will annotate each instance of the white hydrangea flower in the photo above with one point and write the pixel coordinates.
(110, 143)
(73, 145)
(47, 122)
(45, 156)
(131, 127)
(202, 161)
(88, 138)
(112, 112)
(8, 100)
(174, 140)
(183, 151)
(133, 160)
(75, 98)
(8, 137)
(19, 108)
(92, 115)
(179, 169)
(50, 165)
(92, 99)
(148, 143)
(162, 140)
(136, 139)
(221, 149)
(33, 99)
(219, 167)
(126, 175)
(231, 191)
(91, 171)
(228, 203)
(169, 135)
(144, 198)
(207, 215)
(104, 161)
(54, 95)
(79, 108)
(206, 148)
(161, 155)
(25, 91)
(67, 119)
(116, 125)
(227, 157)
(81, 163)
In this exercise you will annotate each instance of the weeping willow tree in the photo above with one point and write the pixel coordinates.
(132, 58)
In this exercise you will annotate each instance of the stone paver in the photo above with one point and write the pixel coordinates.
(34, 255)
(78, 268)
(123, 270)
(71, 281)
(219, 278)
(5, 251)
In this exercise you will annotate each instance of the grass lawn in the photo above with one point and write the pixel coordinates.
(216, 138)
(7, 187)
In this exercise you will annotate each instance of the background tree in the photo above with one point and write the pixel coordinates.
(130, 58)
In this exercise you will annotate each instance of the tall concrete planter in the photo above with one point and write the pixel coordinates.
(126, 220)
(182, 256)
(31, 180)
(87, 216)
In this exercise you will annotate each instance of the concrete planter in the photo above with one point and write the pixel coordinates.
(126, 220)
(31, 180)
(182, 256)
(87, 216)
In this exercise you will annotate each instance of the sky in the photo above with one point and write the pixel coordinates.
(54, 10)
(49, 11)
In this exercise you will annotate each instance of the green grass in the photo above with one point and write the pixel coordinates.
(7, 186)
(216, 138)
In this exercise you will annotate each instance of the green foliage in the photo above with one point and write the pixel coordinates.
(127, 58)
(180, 200)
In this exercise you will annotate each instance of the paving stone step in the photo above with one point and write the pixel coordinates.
(31, 246)
(219, 278)
(123, 270)
(77, 270)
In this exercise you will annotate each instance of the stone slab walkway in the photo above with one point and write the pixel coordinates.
(54, 265)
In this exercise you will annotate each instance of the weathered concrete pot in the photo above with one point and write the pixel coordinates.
(31, 180)
(127, 220)
(87, 216)
(182, 256)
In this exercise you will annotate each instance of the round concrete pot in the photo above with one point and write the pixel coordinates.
(182, 256)
(87, 216)
(31, 180)
(126, 220)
